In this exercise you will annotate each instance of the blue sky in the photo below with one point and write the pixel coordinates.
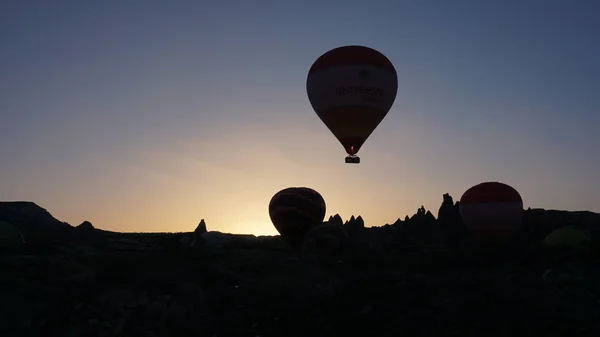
(149, 115)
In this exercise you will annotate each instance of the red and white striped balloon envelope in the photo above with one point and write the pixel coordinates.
(352, 88)
(492, 210)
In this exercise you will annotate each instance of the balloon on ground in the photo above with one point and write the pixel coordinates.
(492, 210)
(294, 211)
(325, 239)
(352, 88)
(567, 237)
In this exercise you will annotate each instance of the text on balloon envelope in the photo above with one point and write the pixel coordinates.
(359, 89)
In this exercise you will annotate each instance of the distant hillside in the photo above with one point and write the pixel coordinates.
(27, 216)
(543, 221)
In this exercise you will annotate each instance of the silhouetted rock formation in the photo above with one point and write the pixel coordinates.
(420, 229)
(360, 236)
(194, 240)
(427, 228)
(85, 226)
(85, 232)
(450, 221)
(198, 240)
(336, 220)
(355, 226)
(27, 216)
(397, 224)
(379, 238)
(352, 219)
(201, 229)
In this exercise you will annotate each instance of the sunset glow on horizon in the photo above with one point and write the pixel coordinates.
(147, 117)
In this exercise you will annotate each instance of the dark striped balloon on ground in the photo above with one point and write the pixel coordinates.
(352, 88)
(325, 239)
(294, 211)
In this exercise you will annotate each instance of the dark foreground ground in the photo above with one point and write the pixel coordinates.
(275, 293)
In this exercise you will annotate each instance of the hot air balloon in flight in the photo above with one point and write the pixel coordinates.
(294, 211)
(492, 210)
(352, 88)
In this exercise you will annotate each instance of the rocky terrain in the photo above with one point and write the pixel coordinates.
(415, 277)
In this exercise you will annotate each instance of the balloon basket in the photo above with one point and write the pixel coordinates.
(352, 159)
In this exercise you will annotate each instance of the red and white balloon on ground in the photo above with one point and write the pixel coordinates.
(492, 210)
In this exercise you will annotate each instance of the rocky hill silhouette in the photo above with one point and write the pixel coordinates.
(422, 229)
(401, 277)
(28, 216)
